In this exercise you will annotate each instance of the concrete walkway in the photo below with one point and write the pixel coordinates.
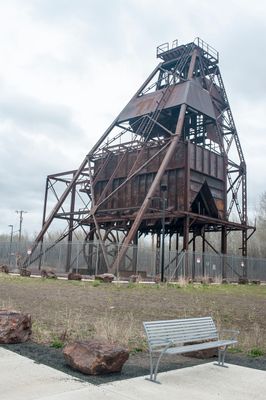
(23, 379)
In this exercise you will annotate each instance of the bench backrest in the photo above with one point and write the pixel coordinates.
(180, 331)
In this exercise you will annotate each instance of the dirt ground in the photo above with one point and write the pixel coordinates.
(65, 310)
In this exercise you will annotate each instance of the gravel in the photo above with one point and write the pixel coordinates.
(137, 365)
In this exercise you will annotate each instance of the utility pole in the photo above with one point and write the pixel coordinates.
(10, 243)
(20, 212)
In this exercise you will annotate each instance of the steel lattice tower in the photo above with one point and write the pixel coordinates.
(175, 140)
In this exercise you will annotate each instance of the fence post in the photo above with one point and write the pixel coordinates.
(97, 259)
(77, 261)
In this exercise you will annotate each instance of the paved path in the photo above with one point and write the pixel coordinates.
(23, 379)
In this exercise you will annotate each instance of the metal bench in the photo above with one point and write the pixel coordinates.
(175, 337)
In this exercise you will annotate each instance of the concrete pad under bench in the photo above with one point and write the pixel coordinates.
(23, 379)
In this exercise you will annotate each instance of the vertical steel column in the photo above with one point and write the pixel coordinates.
(244, 217)
(186, 207)
(157, 258)
(43, 219)
(186, 243)
(224, 250)
(176, 248)
(164, 188)
(70, 233)
(203, 251)
(135, 254)
(194, 256)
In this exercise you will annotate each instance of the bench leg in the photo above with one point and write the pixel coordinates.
(221, 356)
(153, 370)
(151, 367)
(157, 366)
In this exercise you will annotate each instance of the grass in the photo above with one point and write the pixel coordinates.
(66, 310)
(256, 352)
(57, 343)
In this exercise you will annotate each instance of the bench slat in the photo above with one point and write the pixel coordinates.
(158, 344)
(176, 329)
(179, 327)
(183, 335)
(201, 346)
(180, 321)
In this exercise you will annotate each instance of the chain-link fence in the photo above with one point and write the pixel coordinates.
(90, 258)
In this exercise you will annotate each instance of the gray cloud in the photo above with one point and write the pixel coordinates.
(66, 85)
(35, 116)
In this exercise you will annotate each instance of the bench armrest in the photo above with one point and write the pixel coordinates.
(233, 333)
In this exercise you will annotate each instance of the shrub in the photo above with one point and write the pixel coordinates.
(57, 343)
(256, 352)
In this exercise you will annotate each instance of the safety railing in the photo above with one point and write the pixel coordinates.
(166, 47)
(207, 48)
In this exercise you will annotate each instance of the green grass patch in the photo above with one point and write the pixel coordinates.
(57, 343)
(256, 352)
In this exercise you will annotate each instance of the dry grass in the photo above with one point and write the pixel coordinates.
(255, 338)
(67, 310)
(123, 330)
(65, 325)
(7, 304)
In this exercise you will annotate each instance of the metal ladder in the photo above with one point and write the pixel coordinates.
(148, 123)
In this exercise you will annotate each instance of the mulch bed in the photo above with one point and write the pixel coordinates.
(137, 365)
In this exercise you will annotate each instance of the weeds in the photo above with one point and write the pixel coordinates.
(96, 283)
(119, 329)
(256, 352)
(63, 311)
(235, 349)
(57, 343)
(8, 305)
(40, 333)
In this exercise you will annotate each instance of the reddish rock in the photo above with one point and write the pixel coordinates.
(202, 354)
(134, 278)
(49, 274)
(24, 272)
(15, 327)
(72, 276)
(4, 268)
(94, 357)
(243, 281)
(107, 278)
(207, 280)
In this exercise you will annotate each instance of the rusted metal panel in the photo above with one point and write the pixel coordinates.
(177, 161)
(189, 93)
(205, 165)
(199, 99)
(206, 162)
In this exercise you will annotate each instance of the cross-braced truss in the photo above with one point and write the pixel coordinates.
(176, 135)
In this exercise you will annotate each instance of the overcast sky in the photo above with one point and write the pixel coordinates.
(68, 67)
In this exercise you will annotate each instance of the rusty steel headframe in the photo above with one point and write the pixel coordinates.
(176, 136)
